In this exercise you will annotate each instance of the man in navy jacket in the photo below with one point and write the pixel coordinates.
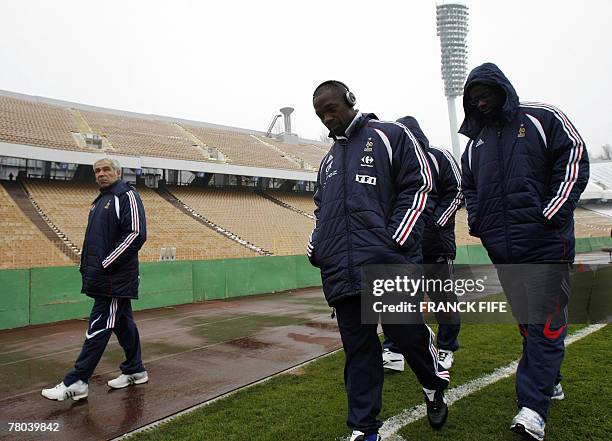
(372, 190)
(524, 169)
(439, 249)
(116, 230)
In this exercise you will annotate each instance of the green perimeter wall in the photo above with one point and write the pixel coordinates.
(45, 295)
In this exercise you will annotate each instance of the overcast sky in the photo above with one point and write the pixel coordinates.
(236, 63)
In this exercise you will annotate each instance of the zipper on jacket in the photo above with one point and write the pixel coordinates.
(90, 215)
(500, 152)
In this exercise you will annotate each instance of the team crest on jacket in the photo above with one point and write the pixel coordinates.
(368, 146)
(521, 132)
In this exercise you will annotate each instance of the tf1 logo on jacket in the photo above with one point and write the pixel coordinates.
(365, 179)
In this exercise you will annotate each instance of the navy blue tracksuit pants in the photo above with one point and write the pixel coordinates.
(538, 295)
(108, 315)
(449, 323)
(363, 369)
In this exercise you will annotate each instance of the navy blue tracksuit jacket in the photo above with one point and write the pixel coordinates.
(522, 182)
(439, 234)
(371, 195)
(116, 230)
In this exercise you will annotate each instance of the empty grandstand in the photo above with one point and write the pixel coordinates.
(67, 204)
(243, 148)
(31, 122)
(250, 216)
(22, 243)
(210, 191)
(127, 135)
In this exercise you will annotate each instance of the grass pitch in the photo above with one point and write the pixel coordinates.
(310, 402)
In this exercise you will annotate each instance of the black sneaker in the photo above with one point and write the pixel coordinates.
(437, 410)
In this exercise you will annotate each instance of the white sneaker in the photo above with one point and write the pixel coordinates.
(128, 380)
(557, 392)
(360, 436)
(76, 391)
(445, 358)
(393, 360)
(528, 422)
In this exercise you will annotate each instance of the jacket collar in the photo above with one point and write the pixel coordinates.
(117, 188)
(357, 123)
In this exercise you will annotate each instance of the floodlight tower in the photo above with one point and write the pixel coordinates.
(452, 24)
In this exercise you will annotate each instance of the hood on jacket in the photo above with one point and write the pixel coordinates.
(490, 74)
(412, 124)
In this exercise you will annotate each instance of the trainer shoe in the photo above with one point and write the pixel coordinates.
(437, 409)
(360, 436)
(557, 392)
(445, 358)
(76, 391)
(528, 423)
(128, 380)
(393, 360)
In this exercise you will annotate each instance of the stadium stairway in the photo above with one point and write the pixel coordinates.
(196, 141)
(80, 121)
(84, 127)
(186, 209)
(297, 161)
(18, 193)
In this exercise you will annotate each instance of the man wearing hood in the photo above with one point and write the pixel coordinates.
(524, 169)
(116, 230)
(372, 190)
(439, 248)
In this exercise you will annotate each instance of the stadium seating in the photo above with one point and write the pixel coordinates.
(168, 227)
(301, 201)
(588, 223)
(33, 123)
(67, 205)
(250, 216)
(25, 121)
(243, 148)
(143, 137)
(462, 235)
(310, 154)
(22, 245)
(241, 211)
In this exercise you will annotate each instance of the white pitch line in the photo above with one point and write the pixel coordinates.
(392, 425)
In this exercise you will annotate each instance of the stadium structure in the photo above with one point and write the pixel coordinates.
(452, 28)
(211, 191)
(229, 211)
